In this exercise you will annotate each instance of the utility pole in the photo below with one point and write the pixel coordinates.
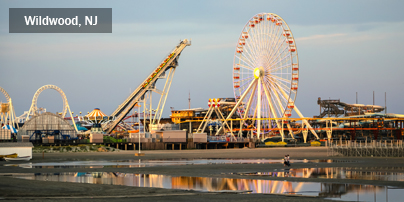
(189, 100)
(373, 107)
(385, 103)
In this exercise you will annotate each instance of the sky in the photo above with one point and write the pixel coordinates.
(345, 47)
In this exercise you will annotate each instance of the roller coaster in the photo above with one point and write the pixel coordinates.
(140, 94)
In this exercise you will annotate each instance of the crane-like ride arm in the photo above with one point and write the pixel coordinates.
(137, 95)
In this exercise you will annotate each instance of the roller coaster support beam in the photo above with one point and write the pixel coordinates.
(170, 62)
(163, 98)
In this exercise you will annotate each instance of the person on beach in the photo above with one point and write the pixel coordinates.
(287, 160)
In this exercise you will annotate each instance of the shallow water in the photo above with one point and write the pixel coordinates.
(334, 173)
(345, 192)
(149, 163)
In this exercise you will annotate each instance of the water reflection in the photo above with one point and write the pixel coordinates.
(149, 163)
(328, 190)
(334, 173)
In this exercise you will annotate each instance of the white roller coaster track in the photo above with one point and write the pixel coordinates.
(34, 108)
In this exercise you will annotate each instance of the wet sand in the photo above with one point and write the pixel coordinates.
(20, 189)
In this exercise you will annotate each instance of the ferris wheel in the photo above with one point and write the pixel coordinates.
(266, 73)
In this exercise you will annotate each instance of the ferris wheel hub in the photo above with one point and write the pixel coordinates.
(258, 72)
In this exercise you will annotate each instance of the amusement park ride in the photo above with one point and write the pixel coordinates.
(266, 75)
(34, 110)
(104, 123)
(143, 93)
(265, 84)
(7, 113)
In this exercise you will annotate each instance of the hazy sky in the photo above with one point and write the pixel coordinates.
(344, 47)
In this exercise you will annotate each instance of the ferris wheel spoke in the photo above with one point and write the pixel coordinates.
(275, 92)
(242, 86)
(283, 86)
(279, 81)
(268, 54)
(258, 35)
(282, 104)
(285, 95)
(278, 106)
(243, 59)
(271, 106)
(246, 67)
(249, 46)
(250, 99)
(255, 109)
(279, 86)
(249, 54)
(283, 89)
(276, 51)
(262, 37)
(273, 56)
(279, 68)
(281, 53)
(254, 39)
(266, 28)
(275, 43)
(246, 80)
(258, 42)
(246, 60)
(261, 44)
(281, 60)
(280, 78)
(251, 62)
(271, 35)
(252, 53)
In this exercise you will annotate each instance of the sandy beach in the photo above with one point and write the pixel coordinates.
(21, 189)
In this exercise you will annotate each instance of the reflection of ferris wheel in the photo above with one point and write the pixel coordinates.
(266, 71)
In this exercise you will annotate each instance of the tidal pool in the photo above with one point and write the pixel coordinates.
(344, 192)
(148, 163)
(334, 173)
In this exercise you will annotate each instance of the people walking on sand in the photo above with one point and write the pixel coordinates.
(285, 160)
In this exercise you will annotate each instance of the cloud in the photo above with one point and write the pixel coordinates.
(347, 34)
(320, 36)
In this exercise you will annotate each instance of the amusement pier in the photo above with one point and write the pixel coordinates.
(265, 84)
(257, 145)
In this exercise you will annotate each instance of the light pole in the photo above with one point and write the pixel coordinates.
(138, 116)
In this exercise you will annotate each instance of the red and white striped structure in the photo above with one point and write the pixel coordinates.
(214, 102)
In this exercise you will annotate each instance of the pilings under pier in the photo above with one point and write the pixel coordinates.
(367, 149)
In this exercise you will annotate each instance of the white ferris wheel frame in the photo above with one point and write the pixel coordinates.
(266, 66)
